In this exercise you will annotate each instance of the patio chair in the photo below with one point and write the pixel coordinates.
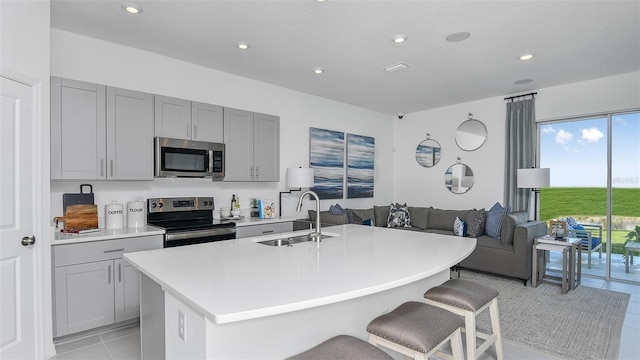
(591, 235)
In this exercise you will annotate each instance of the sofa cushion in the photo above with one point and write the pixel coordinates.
(365, 214)
(476, 220)
(381, 214)
(509, 224)
(495, 216)
(399, 216)
(419, 216)
(328, 218)
(353, 218)
(443, 219)
(459, 227)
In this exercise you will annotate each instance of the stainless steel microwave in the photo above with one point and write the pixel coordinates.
(187, 158)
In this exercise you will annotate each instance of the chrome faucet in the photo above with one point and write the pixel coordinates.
(316, 235)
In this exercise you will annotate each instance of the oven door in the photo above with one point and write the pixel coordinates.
(190, 237)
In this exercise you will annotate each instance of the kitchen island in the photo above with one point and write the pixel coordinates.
(242, 299)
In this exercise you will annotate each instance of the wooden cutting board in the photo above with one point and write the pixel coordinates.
(79, 217)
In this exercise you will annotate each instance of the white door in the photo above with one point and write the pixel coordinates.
(17, 251)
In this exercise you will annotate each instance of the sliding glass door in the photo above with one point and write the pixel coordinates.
(595, 185)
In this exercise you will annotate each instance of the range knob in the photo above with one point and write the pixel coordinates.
(160, 205)
(153, 205)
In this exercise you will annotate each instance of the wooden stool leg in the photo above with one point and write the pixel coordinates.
(470, 334)
(495, 327)
(456, 345)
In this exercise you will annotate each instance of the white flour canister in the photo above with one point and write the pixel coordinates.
(114, 215)
(135, 214)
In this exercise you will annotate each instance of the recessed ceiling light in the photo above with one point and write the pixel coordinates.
(522, 81)
(318, 70)
(243, 45)
(526, 57)
(396, 67)
(400, 38)
(131, 8)
(459, 36)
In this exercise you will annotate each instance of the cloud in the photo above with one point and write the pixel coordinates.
(592, 135)
(570, 150)
(563, 137)
(548, 129)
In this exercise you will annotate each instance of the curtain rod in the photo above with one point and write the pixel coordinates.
(533, 94)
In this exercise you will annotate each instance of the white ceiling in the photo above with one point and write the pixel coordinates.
(572, 41)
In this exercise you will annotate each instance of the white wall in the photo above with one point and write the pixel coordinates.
(86, 59)
(24, 56)
(417, 185)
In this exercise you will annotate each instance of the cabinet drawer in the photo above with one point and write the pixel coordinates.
(264, 229)
(102, 250)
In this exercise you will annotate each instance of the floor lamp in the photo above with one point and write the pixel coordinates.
(297, 178)
(534, 179)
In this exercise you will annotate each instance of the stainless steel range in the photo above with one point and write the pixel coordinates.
(187, 220)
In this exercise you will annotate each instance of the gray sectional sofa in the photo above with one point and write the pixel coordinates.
(508, 254)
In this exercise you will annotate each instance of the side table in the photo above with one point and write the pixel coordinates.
(629, 249)
(570, 246)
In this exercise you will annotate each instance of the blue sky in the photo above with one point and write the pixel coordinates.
(576, 152)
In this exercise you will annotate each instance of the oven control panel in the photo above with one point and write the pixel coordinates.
(155, 205)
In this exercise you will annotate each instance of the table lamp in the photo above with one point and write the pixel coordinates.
(297, 178)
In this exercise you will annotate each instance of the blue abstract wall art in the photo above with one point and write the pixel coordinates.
(326, 157)
(360, 164)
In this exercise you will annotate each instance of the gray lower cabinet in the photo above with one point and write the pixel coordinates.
(263, 229)
(93, 286)
(189, 120)
(99, 132)
(252, 146)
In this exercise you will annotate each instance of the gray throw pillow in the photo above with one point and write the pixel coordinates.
(353, 217)
(365, 214)
(476, 220)
(419, 216)
(381, 214)
(399, 216)
(509, 224)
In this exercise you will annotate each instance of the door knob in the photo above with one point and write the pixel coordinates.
(28, 240)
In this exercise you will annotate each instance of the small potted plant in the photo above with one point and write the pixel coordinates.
(632, 236)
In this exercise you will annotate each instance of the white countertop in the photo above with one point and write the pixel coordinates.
(105, 234)
(240, 279)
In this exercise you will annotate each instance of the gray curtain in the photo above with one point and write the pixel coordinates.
(520, 150)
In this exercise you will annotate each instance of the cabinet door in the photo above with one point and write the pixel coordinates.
(83, 297)
(172, 117)
(129, 135)
(78, 130)
(207, 122)
(264, 229)
(266, 147)
(127, 291)
(238, 140)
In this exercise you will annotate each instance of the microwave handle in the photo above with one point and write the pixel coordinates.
(211, 161)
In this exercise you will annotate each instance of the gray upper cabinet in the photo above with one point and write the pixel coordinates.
(252, 146)
(129, 135)
(78, 130)
(100, 133)
(184, 119)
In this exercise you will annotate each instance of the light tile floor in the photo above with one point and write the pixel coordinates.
(123, 344)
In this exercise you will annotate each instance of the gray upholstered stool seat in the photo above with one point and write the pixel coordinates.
(343, 347)
(469, 298)
(417, 330)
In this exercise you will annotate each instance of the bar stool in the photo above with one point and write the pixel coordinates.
(418, 330)
(468, 298)
(343, 347)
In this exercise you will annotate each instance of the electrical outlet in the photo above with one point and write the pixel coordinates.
(182, 326)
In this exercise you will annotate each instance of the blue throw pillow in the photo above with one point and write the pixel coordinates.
(367, 222)
(495, 216)
(459, 227)
(577, 227)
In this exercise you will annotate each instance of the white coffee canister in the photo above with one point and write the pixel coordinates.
(114, 216)
(135, 214)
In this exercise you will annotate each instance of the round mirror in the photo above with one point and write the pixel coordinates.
(471, 134)
(458, 178)
(428, 153)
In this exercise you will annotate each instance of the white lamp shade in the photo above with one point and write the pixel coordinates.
(300, 178)
(533, 178)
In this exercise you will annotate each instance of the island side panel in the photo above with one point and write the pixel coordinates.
(280, 336)
(152, 310)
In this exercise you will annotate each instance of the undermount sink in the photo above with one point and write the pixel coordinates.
(289, 241)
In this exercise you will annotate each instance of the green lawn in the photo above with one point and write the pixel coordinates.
(589, 205)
